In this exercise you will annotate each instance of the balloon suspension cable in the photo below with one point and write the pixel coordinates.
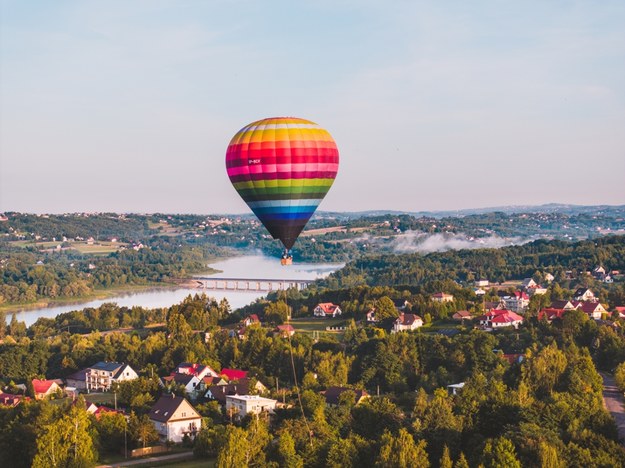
(299, 396)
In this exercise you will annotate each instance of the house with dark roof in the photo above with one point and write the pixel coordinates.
(407, 322)
(584, 294)
(327, 309)
(174, 417)
(101, 375)
(9, 399)
(77, 380)
(220, 392)
(333, 394)
(189, 381)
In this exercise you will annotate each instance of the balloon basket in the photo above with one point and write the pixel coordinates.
(286, 261)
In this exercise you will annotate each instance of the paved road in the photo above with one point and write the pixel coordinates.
(613, 401)
(149, 460)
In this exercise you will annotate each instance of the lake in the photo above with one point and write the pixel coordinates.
(249, 266)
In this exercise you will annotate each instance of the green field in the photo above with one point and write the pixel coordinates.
(316, 324)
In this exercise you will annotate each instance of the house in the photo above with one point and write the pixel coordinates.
(333, 394)
(233, 374)
(77, 380)
(619, 312)
(199, 370)
(220, 392)
(551, 313)
(454, 389)
(104, 410)
(406, 322)
(483, 283)
(243, 405)
(284, 330)
(462, 315)
(210, 381)
(101, 375)
(593, 309)
(584, 294)
(479, 292)
(528, 283)
(371, 316)
(442, 297)
(327, 309)
(549, 277)
(500, 318)
(250, 320)
(562, 304)
(514, 358)
(401, 304)
(494, 305)
(538, 290)
(174, 417)
(45, 388)
(189, 381)
(8, 399)
(517, 302)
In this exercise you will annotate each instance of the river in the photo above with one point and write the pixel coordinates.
(249, 266)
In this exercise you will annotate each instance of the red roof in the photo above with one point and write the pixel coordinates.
(286, 328)
(42, 386)
(327, 307)
(502, 316)
(407, 319)
(550, 313)
(8, 399)
(234, 374)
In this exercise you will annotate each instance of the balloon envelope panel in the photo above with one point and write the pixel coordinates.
(282, 167)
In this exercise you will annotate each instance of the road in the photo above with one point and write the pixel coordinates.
(149, 460)
(613, 401)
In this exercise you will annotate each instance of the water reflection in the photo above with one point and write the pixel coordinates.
(256, 266)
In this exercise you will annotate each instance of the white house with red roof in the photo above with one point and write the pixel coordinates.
(593, 309)
(199, 370)
(45, 388)
(250, 320)
(407, 322)
(500, 318)
(327, 309)
(619, 312)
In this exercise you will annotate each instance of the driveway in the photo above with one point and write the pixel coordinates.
(613, 402)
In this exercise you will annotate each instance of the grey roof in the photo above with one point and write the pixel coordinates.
(165, 407)
(107, 366)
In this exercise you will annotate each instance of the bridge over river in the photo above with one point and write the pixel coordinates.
(249, 284)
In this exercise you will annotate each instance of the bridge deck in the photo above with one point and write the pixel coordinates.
(252, 280)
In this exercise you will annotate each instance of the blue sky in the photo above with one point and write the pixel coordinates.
(130, 105)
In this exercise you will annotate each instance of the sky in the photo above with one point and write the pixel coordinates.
(128, 106)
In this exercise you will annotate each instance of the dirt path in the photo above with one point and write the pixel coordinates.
(150, 460)
(613, 402)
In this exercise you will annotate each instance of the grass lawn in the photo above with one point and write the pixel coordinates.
(316, 324)
(98, 249)
(107, 399)
(202, 463)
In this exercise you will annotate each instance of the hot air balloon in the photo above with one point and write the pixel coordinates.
(282, 167)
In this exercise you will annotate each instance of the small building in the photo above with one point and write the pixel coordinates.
(407, 322)
(482, 283)
(77, 380)
(45, 388)
(174, 417)
(101, 375)
(220, 392)
(327, 309)
(284, 330)
(333, 394)
(189, 381)
(584, 294)
(9, 399)
(199, 370)
(518, 302)
(401, 304)
(619, 312)
(454, 389)
(462, 315)
(250, 320)
(528, 283)
(242, 405)
(442, 297)
(370, 317)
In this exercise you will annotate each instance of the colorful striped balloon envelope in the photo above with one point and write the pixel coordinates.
(282, 167)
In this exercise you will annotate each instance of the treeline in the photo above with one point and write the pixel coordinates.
(69, 275)
(497, 265)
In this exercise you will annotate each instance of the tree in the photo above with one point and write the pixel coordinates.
(385, 308)
(111, 428)
(67, 442)
(461, 462)
(445, 459)
(233, 453)
(277, 312)
(142, 430)
(288, 457)
(500, 454)
(402, 452)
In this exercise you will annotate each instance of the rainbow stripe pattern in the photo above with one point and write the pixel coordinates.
(282, 167)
